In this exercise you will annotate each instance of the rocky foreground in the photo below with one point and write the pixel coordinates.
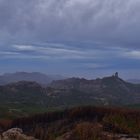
(15, 134)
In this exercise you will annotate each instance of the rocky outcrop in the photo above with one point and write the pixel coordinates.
(15, 134)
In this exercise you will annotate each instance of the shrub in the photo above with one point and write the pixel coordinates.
(88, 131)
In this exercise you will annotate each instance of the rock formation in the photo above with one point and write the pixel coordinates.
(15, 134)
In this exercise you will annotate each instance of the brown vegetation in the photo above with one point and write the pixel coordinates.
(82, 123)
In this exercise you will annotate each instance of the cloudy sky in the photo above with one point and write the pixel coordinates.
(88, 38)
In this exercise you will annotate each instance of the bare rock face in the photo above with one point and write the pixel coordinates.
(15, 134)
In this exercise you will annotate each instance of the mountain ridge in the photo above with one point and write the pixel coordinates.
(110, 87)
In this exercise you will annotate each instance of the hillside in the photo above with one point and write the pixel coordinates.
(21, 98)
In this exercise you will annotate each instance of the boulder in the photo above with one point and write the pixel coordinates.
(15, 134)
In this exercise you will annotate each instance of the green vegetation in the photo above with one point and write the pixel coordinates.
(11, 111)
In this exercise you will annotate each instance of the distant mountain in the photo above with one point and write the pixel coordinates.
(135, 81)
(109, 90)
(25, 76)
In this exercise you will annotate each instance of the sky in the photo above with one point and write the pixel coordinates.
(86, 38)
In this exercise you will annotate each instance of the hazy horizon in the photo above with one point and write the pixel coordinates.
(93, 76)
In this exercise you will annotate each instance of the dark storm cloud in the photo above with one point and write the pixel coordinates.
(113, 21)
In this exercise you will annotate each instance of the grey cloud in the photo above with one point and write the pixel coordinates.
(113, 21)
(133, 54)
(55, 51)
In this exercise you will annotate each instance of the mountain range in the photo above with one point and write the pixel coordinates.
(31, 97)
(134, 81)
(108, 90)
